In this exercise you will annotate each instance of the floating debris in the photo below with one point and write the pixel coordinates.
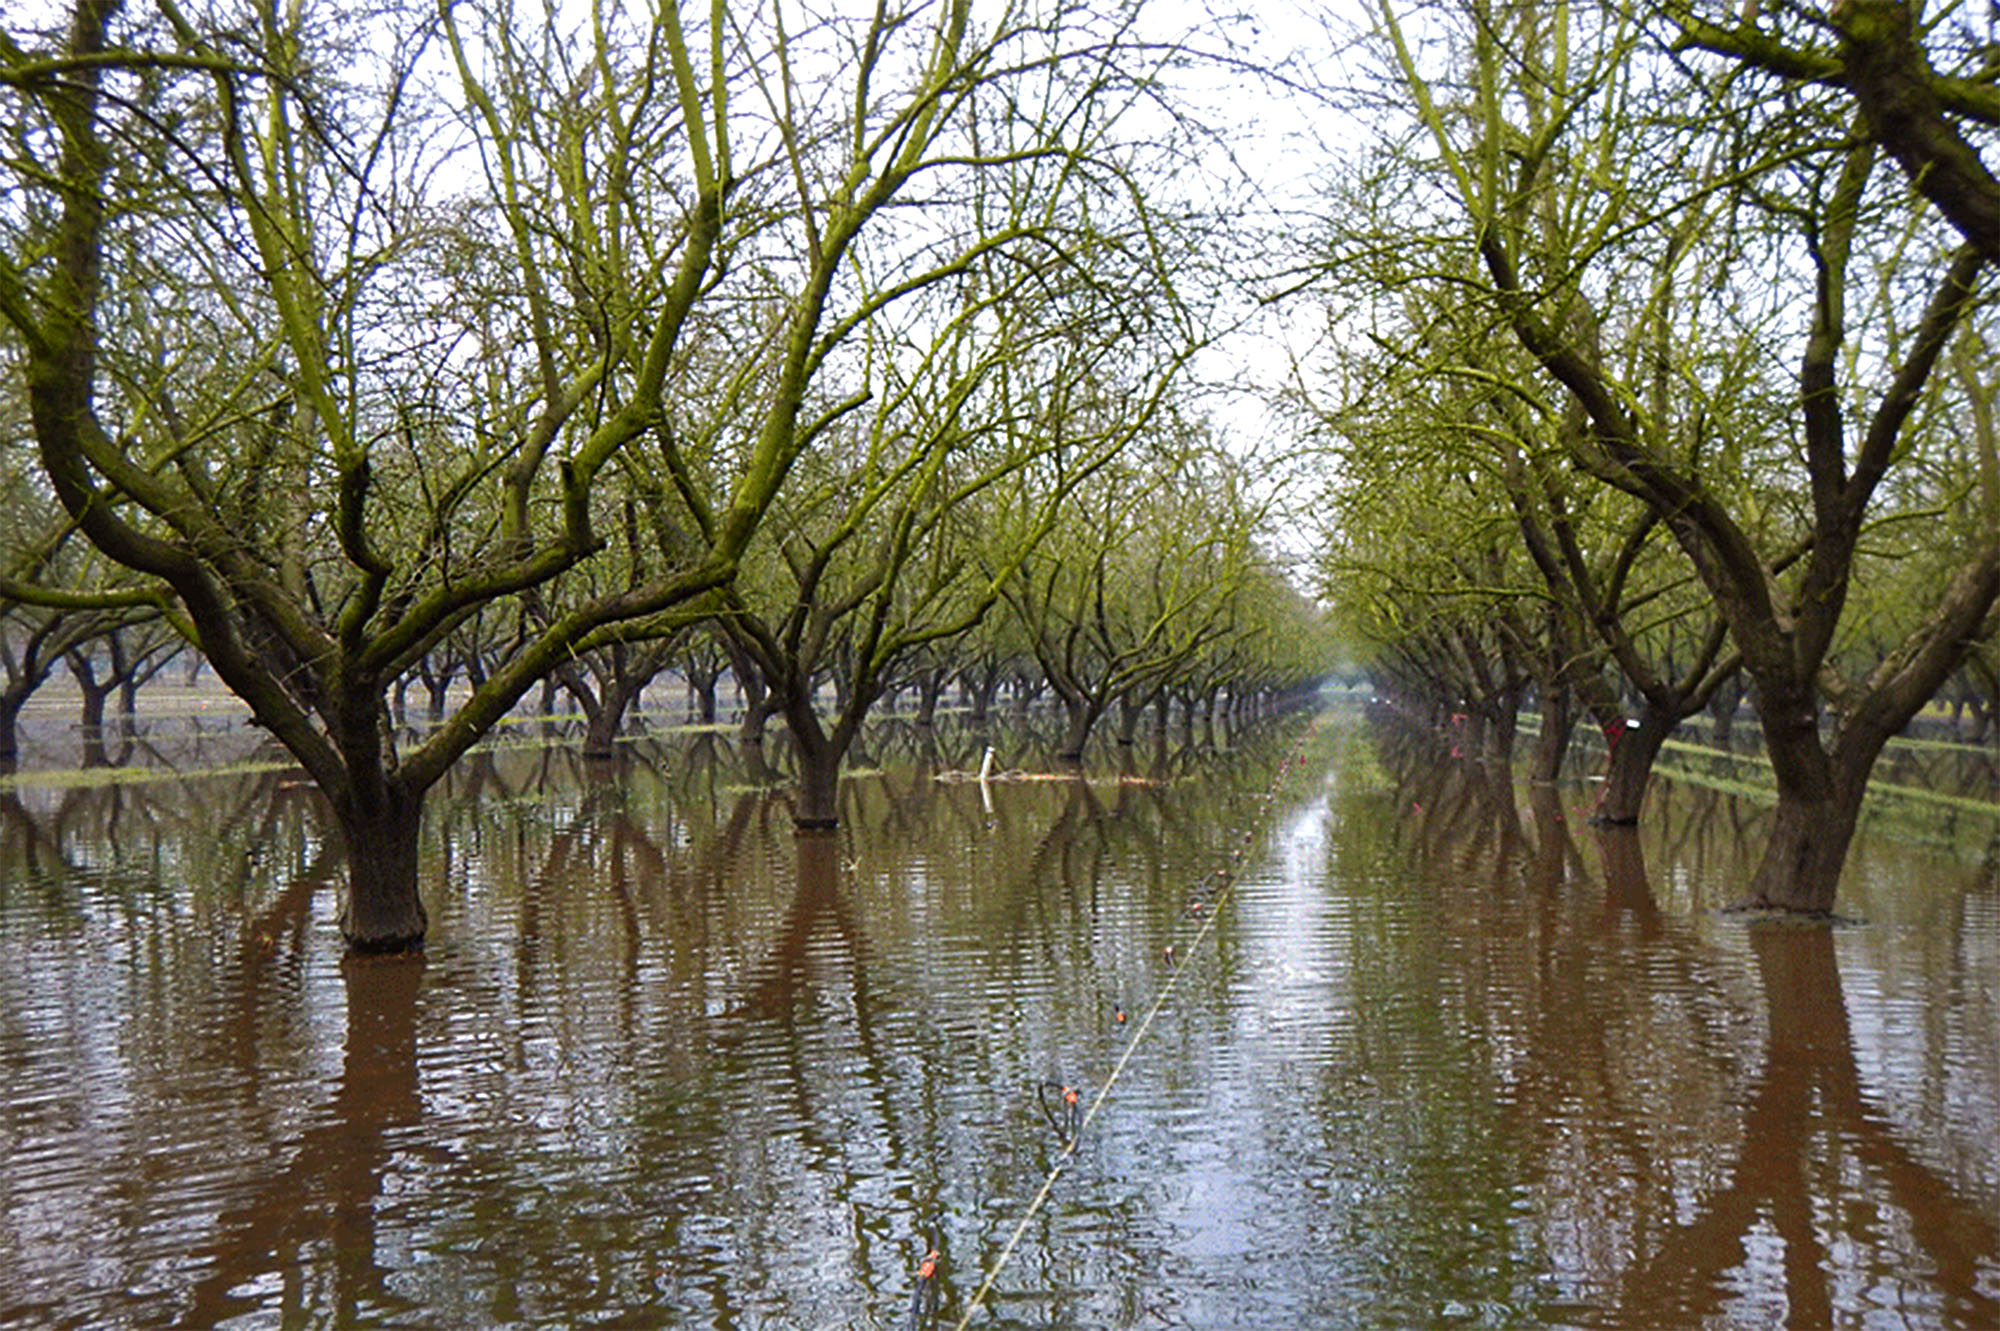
(927, 1294)
(1016, 777)
(1062, 1106)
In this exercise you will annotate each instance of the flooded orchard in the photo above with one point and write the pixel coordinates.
(1366, 1036)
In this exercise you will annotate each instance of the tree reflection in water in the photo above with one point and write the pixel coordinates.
(1810, 1139)
(1451, 1055)
(318, 1220)
(1700, 1154)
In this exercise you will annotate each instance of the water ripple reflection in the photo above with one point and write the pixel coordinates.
(1445, 1056)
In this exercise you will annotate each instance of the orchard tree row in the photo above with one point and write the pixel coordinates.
(1137, 613)
(1669, 378)
(355, 345)
(1150, 593)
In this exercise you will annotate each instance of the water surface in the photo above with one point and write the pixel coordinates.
(1431, 1052)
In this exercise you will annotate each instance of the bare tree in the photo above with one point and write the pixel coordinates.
(1590, 183)
(339, 353)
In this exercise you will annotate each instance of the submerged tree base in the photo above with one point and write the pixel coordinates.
(1756, 912)
(395, 946)
(390, 929)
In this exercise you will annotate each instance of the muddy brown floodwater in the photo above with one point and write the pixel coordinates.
(1443, 1056)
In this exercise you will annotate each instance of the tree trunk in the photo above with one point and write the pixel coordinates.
(383, 911)
(1810, 832)
(1722, 709)
(1129, 711)
(96, 694)
(982, 691)
(816, 802)
(1628, 769)
(1079, 717)
(1819, 802)
(600, 735)
(614, 705)
(930, 688)
(1552, 744)
(1501, 727)
(756, 708)
(10, 725)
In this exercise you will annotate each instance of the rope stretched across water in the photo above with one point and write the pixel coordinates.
(1069, 1147)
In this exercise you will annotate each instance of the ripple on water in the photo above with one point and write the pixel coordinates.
(644, 1079)
(152, 1074)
